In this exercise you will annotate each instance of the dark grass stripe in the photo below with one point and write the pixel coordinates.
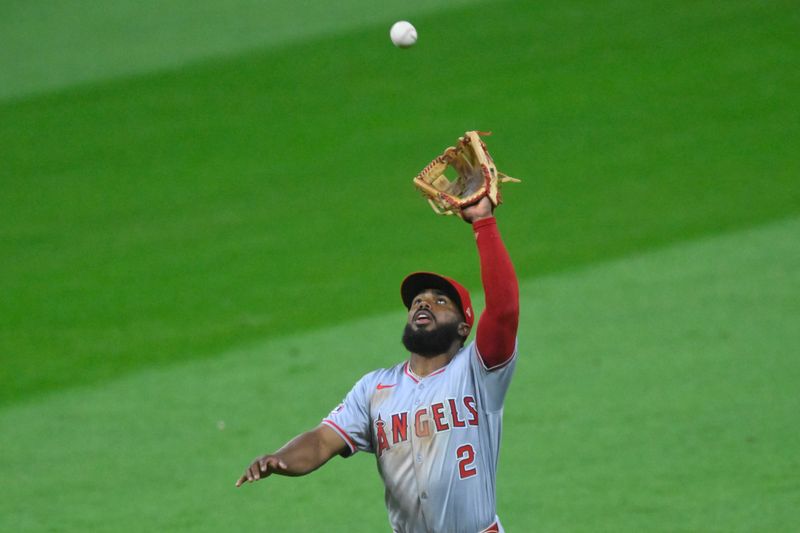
(170, 216)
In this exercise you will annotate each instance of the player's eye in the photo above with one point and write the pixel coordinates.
(441, 301)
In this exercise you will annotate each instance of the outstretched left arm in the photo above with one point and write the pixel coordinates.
(497, 327)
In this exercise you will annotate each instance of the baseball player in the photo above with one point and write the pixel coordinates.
(433, 421)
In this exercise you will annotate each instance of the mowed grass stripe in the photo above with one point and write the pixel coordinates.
(653, 393)
(176, 215)
(53, 45)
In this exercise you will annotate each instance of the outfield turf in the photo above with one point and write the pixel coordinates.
(654, 393)
(197, 217)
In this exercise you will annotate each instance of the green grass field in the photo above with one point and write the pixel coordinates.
(203, 206)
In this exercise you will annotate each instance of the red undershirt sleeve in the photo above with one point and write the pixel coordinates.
(497, 327)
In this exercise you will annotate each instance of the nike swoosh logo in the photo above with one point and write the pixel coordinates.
(381, 386)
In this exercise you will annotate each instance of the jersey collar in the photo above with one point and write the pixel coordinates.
(410, 373)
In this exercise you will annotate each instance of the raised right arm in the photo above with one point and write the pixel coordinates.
(298, 457)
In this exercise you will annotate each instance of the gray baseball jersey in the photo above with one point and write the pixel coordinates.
(436, 440)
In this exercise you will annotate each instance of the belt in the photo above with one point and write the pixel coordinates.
(494, 528)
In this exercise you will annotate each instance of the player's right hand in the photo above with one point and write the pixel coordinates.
(261, 467)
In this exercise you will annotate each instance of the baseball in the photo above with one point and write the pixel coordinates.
(403, 34)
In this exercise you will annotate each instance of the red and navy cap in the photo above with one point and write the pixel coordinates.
(417, 282)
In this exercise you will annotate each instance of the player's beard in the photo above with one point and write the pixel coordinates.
(430, 343)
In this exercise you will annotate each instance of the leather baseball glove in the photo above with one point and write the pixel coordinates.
(475, 176)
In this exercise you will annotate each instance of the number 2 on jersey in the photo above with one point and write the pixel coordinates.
(466, 456)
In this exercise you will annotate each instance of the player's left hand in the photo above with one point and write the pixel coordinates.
(481, 209)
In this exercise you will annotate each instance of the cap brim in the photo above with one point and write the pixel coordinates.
(419, 281)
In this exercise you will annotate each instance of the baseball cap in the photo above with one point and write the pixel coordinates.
(417, 282)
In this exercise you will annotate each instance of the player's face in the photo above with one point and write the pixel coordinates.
(432, 308)
(435, 325)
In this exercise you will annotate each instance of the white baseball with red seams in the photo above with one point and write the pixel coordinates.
(436, 439)
(403, 34)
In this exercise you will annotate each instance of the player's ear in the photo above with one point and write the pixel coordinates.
(463, 329)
